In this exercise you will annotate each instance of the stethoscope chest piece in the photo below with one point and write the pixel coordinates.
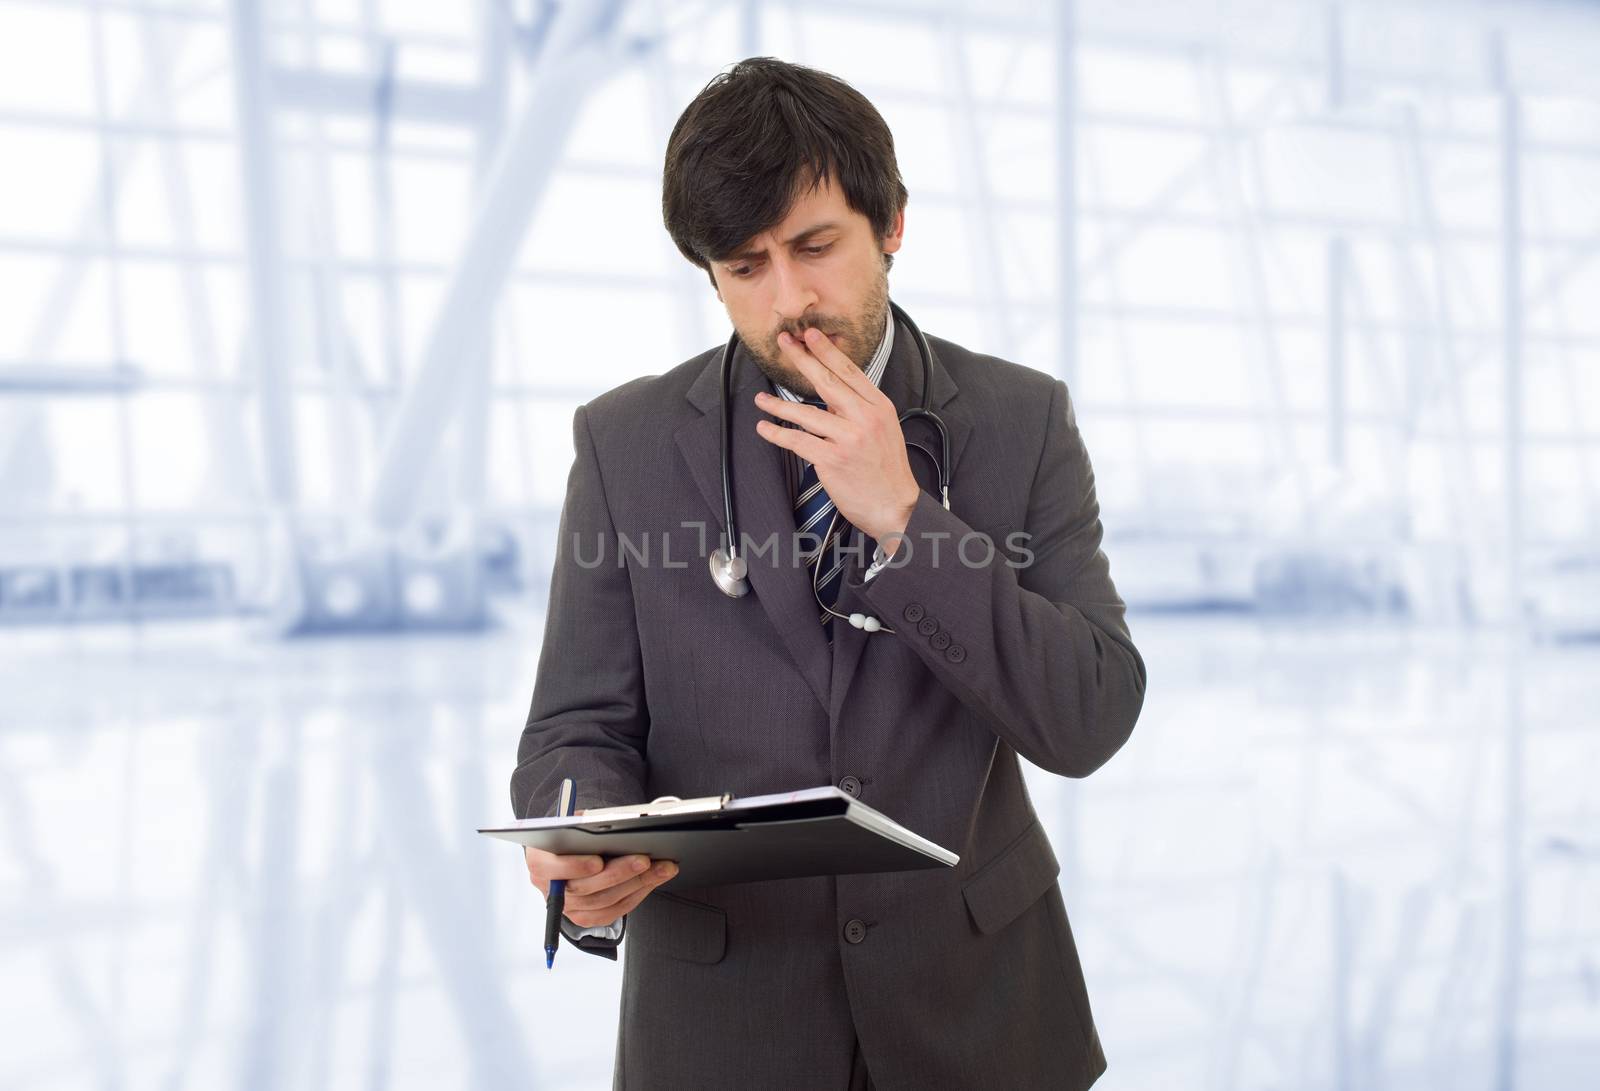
(729, 574)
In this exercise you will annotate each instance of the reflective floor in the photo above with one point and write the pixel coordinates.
(227, 861)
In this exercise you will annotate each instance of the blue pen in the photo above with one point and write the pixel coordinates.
(557, 900)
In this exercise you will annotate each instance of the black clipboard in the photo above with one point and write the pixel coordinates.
(721, 839)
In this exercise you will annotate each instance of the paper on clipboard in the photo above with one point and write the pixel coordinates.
(662, 805)
(724, 839)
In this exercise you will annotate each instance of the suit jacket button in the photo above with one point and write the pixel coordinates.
(928, 626)
(850, 786)
(940, 640)
(914, 612)
(955, 653)
(855, 931)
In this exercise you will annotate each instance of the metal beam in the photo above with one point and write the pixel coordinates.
(56, 377)
(472, 436)
(268, 336)
(1508, 997)
(327, 94)
(584, 50)
(229, 467)
(983, 226)
(1067, 210)
(1338, 255)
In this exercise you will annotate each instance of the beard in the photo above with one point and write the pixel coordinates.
(857, 337)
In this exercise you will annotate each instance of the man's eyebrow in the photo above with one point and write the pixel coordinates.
(745, 255)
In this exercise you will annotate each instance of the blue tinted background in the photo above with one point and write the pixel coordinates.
(299, 297)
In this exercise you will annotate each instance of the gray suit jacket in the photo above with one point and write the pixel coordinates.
(652, 682)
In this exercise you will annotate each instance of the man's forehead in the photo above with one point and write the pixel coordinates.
(816, 207)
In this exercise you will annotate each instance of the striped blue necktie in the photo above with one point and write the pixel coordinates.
(812, 513)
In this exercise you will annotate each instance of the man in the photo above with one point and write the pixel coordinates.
(781, 182)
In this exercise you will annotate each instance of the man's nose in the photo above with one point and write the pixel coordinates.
(794, 295)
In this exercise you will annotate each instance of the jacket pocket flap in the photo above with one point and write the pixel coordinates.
(1000, 890)
(669, 925)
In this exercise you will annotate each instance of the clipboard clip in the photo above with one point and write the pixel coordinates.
(661, 805)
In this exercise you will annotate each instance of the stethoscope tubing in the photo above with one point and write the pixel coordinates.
(729, 569)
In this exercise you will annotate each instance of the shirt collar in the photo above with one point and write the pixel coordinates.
(875, 367)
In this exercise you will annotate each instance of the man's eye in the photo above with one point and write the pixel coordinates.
(814, 250)
(742, 271)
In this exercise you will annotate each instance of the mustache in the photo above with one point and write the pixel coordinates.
(797, 329)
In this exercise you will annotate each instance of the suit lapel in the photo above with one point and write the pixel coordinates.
(763, 508)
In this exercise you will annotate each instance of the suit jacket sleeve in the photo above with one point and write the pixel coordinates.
(589, 718)
(1038, 645)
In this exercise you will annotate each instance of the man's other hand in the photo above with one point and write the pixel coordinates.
(598, 892)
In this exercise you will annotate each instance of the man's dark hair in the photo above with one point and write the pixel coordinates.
(742, 150)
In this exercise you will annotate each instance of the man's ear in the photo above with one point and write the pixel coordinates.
(892, 241)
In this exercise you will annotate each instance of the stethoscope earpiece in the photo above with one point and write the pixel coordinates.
(729, 570)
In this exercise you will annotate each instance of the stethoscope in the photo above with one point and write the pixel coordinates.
(729, 570)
